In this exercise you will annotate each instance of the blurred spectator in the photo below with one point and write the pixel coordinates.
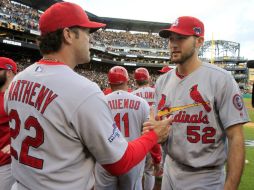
(114, 41)
(128, 39)
(95, 72)
(129, 43)
(19, 14)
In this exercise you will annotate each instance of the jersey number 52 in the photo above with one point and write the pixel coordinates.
(206, 135)
(34, 142)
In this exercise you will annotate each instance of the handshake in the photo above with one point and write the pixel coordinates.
(161, 128)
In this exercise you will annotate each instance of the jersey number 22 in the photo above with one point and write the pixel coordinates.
(33, 142)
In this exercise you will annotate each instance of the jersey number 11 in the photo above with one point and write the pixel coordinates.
(125, 120)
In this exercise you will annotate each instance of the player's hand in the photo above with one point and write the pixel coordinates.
(161, 128)
(157, 170)
(149, 163)
(6, 149)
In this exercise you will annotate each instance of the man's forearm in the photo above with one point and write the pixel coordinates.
(235, 161)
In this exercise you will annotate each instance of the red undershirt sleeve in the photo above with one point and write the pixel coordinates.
(156, 154)
(135, 152)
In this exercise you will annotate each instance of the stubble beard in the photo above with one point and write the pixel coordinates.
(184, 57)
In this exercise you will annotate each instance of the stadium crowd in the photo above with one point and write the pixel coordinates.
(95, 72)
(122, 43)
(122, 59)
(149, 44)
(128, 51)
(128, 39)
(98, 74)
(19, 14)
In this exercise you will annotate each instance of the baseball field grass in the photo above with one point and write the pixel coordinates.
(247, 181)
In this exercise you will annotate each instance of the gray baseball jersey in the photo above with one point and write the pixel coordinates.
(129, 113)
(179, 177)
(60, 123)
(149, 178)
(146, 93)
(6, 178)
(203, 104)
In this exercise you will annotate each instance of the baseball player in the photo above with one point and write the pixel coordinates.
(8, 69)
(129, 113)
(142, 78)
(60, 121)
(208, 113)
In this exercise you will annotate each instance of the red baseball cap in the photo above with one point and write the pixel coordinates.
(185, 25)
(66, 14)
(165, 69)
(8, 64)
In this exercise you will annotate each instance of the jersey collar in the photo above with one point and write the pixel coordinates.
(50, 62)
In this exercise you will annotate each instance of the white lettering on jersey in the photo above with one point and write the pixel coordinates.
(123, 104)
(146, 95)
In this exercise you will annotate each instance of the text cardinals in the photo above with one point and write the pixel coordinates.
(183, 117)
(31, 93)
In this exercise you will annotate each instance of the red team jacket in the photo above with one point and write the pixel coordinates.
(4, 132)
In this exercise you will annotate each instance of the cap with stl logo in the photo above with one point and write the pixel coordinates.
(65, 14)
(8, 64)
(185, 25)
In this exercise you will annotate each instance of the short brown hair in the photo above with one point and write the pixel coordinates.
(52, 42)
(142, 82)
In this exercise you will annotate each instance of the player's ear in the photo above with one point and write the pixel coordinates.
(9, 73)
(199, 41)
(67, 36)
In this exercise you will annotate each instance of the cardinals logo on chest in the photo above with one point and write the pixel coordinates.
(166, 110)
(197, 97)
(162, 102)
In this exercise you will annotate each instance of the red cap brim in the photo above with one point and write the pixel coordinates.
(165, 33)
(93, 26)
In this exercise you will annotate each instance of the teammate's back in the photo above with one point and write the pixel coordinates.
(129, 113)
(146, 93)
(50, 118)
